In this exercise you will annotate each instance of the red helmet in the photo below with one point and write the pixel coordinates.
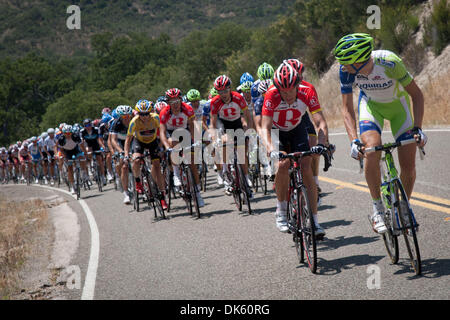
(96, 122)
(106, 110)
(285, 78)
(296, 64)
(222, 82)
(173, 93)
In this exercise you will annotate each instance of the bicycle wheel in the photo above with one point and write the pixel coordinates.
(390, 238)
(307, 228)
(193, 190)
(98, 178)
(204, 174)
(408, 227)
(187, 196)
(234, 178)
(77, 183)
(245, 189)
(293, 212)
(132, 185)
(157, 206)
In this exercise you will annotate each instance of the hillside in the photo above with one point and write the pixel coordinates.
(41, 24)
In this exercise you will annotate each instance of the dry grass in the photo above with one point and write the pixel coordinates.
(437, 97)
(19, 221)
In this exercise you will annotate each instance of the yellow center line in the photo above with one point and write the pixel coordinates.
(412, 201)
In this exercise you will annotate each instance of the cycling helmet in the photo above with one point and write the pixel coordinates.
(161, 98)
(114, 114)
(51, 131)
(86, 123)
(106, 118)
(33, 139)
(123, 110)
(222, 82)
(286, 77)
(264, 85)
(246, 86)
(193, 95)
(44, 135)
(246, 77)
(144, 106)
(173, 93)
(213, 92)
(106, 110)
(296, 64)
(354, 48)
(265, 71)
(96, 122)
(160, 105)
(67, 129)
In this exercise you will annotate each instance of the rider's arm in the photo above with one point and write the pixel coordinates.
(162, 135)
(418, 102)
(348, 113)
(127, 144)
(266, 126)
(246, 118)
(322, 128)
(114, 142)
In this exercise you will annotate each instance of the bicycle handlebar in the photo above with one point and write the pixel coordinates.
(393, 145)
(327, 155)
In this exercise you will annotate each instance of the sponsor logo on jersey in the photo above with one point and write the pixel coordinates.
(376, 86)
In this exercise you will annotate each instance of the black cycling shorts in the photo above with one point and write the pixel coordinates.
(139, 147)
(295, 140)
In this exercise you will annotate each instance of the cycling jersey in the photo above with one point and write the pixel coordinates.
(49, 143)
(144, 132)
(382, 95)
(206, 107)
(120, 129)
(255, 92)
(90, 138)
(228, 111)
(180, 120)
(287, 117)
(385, 83)
(69, 143)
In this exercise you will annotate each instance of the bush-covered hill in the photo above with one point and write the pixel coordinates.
(57, 82)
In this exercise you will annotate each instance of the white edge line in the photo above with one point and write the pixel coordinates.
(91, 274)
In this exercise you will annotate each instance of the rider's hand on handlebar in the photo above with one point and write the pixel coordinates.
(420, 137)
(355, 152)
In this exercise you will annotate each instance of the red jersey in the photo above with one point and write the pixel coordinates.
(230, 111)
(287, 117)
(180, 120)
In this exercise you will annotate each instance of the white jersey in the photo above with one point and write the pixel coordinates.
(49, 143)
(34, 149)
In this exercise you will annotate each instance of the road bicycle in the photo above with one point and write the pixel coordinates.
(399, 217)
(189, 189)
(96, 170)
(299, 214)
(152, 194)
(77, 180)
(239, 187)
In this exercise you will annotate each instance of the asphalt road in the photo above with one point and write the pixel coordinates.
(230, 255)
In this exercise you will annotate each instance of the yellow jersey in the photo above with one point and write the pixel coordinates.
(144, 132)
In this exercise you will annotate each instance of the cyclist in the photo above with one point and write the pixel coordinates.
(90, 134)
(178, 115)
(24, 156)
(118, 135)
(265, 72)
(193, 96)
(385, 86)
(142, 135)
(226, 108)
(49, 145)
(285, 103)
(3, 164)
(300, 68)
(36, 155)
(70, 144)
(103, 131)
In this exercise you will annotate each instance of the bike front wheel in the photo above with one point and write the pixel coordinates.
(307, 227)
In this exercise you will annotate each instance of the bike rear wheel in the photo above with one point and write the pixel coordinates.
(408, 228)
(245, 189)
(193, 191)
(307, 228)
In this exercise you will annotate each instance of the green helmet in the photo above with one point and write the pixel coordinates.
(354, 48)
(213, 92)
(265, 71)
(246, 86)
(193, 95)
